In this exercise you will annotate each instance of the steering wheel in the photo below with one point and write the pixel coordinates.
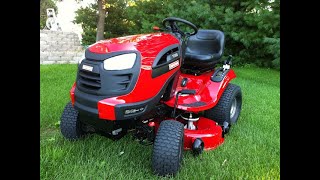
(175, 28)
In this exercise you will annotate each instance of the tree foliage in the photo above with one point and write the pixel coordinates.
(252, 27)
(116, 23)
(44, 5)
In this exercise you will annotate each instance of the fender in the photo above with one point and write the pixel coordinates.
(207, 94)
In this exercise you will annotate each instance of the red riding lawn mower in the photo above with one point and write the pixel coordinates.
(163, 86)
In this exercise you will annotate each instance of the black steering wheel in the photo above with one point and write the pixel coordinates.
(175, 28)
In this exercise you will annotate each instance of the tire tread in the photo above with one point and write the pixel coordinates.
(167, 146)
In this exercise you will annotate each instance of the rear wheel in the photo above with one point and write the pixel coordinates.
(70, 125)
(168, 148)
(229, 106)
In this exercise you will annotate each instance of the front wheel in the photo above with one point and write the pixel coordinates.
(229, 106)
(167, 148)
(70, 125)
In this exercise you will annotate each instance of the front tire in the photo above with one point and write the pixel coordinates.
(70, 125)
(229, 106)
(168, 148)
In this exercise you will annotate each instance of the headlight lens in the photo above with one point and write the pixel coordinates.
(120, 62)
(81, 59)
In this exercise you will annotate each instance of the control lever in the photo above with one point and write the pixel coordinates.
(184, 91)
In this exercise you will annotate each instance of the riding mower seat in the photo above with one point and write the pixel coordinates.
(204, 49)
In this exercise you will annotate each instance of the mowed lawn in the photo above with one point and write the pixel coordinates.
(251, 150)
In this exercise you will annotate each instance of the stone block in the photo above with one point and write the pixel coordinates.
(62, 62)
(73, 62)
(44, 47)
(43, 35)
(79, 48)
(69, 53)
(80, 54)
(44, 53)
(76, 58)
(48, 62)
(44, 58)
(65, 58)
(57, 53)
(53, 58)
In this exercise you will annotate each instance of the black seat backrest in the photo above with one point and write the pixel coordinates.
(206, 42)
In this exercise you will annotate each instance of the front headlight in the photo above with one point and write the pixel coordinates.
(120, 62)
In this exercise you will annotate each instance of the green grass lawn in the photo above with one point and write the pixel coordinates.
(251, 150)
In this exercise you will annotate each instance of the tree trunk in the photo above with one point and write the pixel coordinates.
(101, 20)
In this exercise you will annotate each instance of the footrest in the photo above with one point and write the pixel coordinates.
(195, 104)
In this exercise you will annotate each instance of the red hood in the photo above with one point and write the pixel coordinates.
(149, 45)
(146, 87)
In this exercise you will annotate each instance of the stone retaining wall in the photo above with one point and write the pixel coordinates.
(57, 47)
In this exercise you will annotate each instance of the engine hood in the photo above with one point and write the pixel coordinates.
(113, 92)
(149, 45)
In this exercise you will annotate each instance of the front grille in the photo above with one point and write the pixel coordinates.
(122, 82)
(105, 83)
(89, 80)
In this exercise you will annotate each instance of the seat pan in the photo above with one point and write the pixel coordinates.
(201, 58)
(198, 61)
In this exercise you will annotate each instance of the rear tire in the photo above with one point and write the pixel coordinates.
(70, 125)
(168, 148)
(229, 106)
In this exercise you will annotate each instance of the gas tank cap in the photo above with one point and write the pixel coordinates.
(184, 82)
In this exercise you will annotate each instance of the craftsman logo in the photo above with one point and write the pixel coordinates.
(88, 68)
(173, 64)
(174, 55)
(133, 111)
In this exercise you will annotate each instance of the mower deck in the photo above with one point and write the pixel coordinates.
(209, 131)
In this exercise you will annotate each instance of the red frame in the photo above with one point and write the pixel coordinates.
(207, 91)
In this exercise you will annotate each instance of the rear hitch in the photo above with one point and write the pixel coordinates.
(197, 146)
